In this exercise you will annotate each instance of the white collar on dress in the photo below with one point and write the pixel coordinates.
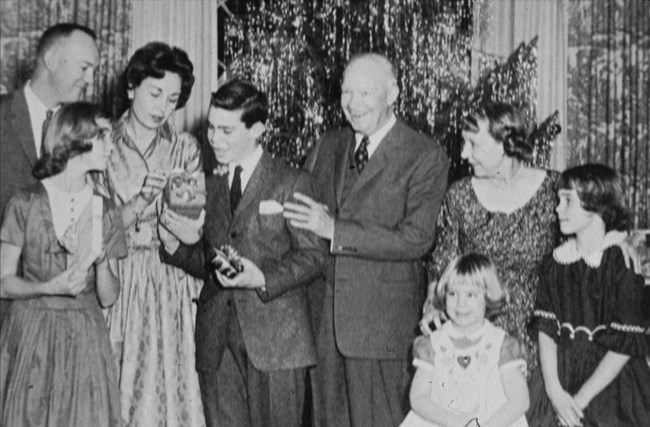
(567, 253)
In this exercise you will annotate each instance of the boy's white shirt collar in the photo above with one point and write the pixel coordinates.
(37, 113)
(567, 253)
(376, 137)
(248, 166)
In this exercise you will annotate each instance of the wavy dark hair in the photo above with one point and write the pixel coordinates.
(506, 125)
(242, 95)
(154, 60)
(600, 190)
(68, 135)
(477, 270)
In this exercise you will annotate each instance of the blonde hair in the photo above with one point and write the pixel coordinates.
(477, 270)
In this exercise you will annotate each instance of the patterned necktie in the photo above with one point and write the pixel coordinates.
(46, 124)
(235, 190)
(361, 155)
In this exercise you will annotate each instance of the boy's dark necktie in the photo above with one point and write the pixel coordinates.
(235, 190)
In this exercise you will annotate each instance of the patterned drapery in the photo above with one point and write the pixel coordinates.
(23, 21)
(609, 93)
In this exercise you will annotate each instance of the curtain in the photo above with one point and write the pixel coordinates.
(501, 25)
(609, 93)
(23, 21)
(191, 26)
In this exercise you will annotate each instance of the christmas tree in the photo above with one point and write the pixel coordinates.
(296, 51)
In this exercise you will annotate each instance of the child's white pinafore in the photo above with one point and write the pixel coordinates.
(467, 373)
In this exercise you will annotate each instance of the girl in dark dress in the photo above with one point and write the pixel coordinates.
(591, 314)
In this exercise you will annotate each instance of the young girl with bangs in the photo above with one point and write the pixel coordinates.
(469, 372)
(591, 313)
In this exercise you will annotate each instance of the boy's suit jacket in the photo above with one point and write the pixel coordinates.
(384, 227)
(17, 148)
(275, 324)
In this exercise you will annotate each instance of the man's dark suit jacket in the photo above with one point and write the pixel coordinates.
(17, 148)
(384, 227)
(17, 154)
(275, 324)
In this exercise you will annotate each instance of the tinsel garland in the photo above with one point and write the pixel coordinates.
(296, 51)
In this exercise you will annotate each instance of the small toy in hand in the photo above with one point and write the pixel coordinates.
(227, 261)
(185, 193)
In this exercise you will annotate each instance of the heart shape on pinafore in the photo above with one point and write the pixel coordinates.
(464, 361)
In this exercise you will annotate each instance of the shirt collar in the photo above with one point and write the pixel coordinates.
(248, 166)
(568, 252)
(378, 136)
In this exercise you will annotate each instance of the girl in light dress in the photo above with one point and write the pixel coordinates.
(591, 313)
(469, 372)
(58, 262)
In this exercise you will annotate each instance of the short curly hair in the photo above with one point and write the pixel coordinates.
(506, 125)
(600, 190)
(68, 135)
(475, 269)
(155, 59)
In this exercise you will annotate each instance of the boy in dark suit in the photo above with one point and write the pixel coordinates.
(253, 335)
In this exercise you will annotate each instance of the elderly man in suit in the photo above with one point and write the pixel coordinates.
(383, 184)
(66, 58)
(253, 334)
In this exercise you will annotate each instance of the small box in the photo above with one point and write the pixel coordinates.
(185, 193)
(227, 261)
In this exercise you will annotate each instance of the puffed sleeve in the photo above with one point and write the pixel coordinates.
(628, 326)
(423, 353)
(15, 218)
(513, 354)
(544, 316)
(446, 245)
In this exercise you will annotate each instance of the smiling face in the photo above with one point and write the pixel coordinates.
(482, 151)
(229, 137)
(367, 94)
(71, 64)
(572, 216)
(154, 100)
(465, 305)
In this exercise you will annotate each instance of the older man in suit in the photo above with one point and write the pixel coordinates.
(66, 58)
(253, 333)
(383, 184)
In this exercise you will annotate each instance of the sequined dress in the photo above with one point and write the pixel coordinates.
(591, 306)
(152, 323)
(516, 242)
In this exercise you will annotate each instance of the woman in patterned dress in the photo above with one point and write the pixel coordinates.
(505, 211)
(58, 262)
(152, 323)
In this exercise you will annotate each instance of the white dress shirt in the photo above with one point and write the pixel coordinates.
(37, 113)
(248, 166)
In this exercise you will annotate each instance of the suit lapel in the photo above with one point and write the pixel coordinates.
(389, 148)
(20, 121)
(219, 208)
(342, 164)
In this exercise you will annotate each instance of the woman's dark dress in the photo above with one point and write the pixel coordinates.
(589, 308)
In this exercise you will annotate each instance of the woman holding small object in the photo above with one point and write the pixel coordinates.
(56, 366)
(151, 324)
